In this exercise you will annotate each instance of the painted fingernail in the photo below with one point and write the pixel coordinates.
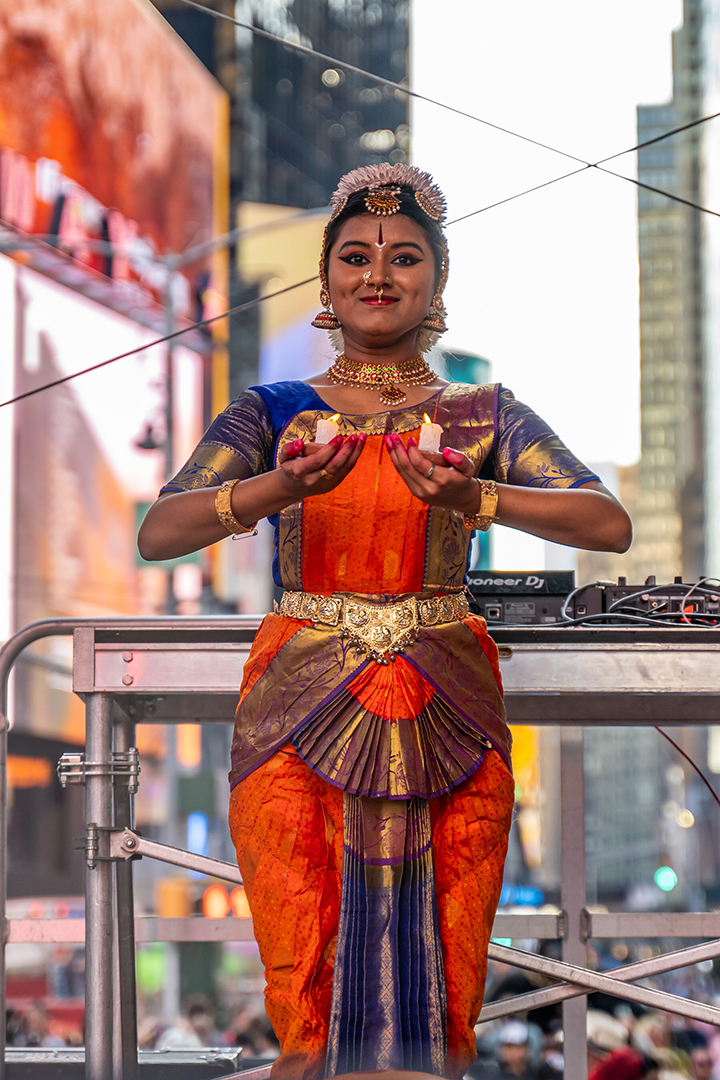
(353, 439)
(411, 441)
(338, 440)
(388, 442)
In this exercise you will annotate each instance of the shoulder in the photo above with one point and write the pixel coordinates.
(284, 399)
(470, 400)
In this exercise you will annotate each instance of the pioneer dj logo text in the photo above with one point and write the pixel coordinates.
(532, 581)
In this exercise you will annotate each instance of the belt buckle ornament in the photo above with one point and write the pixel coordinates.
(380, 630)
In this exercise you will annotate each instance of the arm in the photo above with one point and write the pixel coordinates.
(585, 517)
(179, 523)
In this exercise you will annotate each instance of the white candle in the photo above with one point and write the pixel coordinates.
(430, 436)
(326, 430)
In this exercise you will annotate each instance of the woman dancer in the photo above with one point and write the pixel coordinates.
(371, 792)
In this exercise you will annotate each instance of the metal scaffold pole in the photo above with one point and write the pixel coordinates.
(126, 1054)
(573, 896)
(98, 891)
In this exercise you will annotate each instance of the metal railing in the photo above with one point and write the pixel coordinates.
(189, 669)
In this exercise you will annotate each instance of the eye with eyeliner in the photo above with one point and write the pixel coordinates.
(359, 258)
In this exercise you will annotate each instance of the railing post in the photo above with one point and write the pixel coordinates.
(98, 894)
(573, 895)
(126, 1057)
(3, 872)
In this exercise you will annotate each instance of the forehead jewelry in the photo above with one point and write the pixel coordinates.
(383, 200)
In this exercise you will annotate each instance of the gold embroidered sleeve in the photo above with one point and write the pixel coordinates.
(237, 444)
(528, 453)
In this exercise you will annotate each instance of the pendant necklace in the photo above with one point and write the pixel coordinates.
(382, 377)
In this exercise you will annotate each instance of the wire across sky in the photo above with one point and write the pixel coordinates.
(584, 166)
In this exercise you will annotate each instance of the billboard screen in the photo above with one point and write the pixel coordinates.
(78, 473)
(111, 130)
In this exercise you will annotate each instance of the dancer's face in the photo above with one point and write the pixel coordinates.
(372, 252)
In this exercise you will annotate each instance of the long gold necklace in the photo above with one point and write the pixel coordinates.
(382, 377)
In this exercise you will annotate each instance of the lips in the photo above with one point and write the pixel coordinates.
(373, 301)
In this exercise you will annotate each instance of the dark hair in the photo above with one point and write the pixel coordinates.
(409, 206)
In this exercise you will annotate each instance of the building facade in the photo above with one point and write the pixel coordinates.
(298, 123)
(670, 518)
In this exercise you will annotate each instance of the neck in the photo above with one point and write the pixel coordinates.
(396, 352)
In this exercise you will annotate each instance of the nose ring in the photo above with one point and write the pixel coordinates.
(379, 289)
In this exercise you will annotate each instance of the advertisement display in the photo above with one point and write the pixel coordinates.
(79, 473)
(111, 130)
(113, 170)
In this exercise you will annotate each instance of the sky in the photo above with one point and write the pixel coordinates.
(546, 286)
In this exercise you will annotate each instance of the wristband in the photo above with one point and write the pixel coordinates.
(487, 509)
(223, 509)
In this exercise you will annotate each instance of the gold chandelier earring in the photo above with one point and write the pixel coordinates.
(326, 319)
(434, 321)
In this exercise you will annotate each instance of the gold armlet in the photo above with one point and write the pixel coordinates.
(223, 509)
(488, 507)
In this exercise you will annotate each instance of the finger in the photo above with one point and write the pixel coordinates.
(401, 461)
(291, 450)
(340, 456)
(458, 461)
(336, 468)
(421, 461)
(318, 460)
(349, 464)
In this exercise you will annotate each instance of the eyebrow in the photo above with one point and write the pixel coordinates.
(361, 243)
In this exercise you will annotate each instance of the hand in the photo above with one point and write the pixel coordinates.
(311, 469)
(451, 485)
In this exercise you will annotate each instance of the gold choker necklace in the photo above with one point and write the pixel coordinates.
(382, 377)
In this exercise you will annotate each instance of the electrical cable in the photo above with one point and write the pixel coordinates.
(474, 213)
(690, 761)
(309, 51)
(158, 341)
(659, 191)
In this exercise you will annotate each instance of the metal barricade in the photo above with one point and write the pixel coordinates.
(189, 670)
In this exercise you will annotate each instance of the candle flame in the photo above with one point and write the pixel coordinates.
(334, 419)
(427, 419)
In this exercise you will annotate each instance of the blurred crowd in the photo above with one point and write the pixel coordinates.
(198, 1027)
(624, 1043)
(35, 1026)
(624, 1046)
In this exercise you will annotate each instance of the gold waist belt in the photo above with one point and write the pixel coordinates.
(380, 630)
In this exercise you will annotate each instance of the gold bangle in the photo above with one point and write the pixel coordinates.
(487, 509)
(223, 509)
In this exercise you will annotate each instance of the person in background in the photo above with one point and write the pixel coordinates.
(35, 1029)
(605, 1034)
(701, 1063)
(203, 1024)
(625, 1064)
(514, 1056)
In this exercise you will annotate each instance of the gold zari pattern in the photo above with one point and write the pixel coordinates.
(380, 630)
